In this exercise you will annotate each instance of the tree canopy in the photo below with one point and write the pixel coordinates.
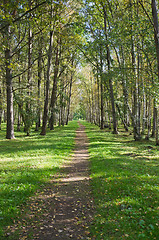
(96, 60)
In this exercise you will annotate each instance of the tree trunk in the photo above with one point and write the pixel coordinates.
(138, 104)
(64, 105)
(115, 131)
(98, 105)
(62, 102)
(106, 124)
(60, 117)
(124, 85)
(28, 105)
(92, 98)
(101, 93)
(19, 83)
(156, 37)
(102, 103)
(154, 119)
(157, 141)
(45, 114)
(110, 119)
(135, 112)
(38, 122)
(149, 119)
(144, 111)
(156, 30)
(18, 123)
(122, 119)
(10, 120)
(69, 99)
(126, 102)
(54, 90)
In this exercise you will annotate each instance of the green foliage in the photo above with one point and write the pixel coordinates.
(125, 186)
(26, 106)
(80, 112)
(27, 164)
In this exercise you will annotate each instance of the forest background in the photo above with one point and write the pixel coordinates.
(98, 60)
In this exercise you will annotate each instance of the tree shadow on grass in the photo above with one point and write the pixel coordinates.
(125, 188)
(50, 143)
(21, 172)
(17, 189)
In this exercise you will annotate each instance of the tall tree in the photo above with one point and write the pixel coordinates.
(70, 92)
(156, 37)
(9, 84)
(54, 89)
(46, 104)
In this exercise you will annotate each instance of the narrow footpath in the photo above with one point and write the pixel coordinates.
(64, 209)
(73, 204)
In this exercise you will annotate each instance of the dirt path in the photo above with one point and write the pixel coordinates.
(73, 204)
(64, 209)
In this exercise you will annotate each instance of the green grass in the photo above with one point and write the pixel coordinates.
(125, 178)
(27, 163)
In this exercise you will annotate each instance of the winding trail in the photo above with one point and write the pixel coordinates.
(70, 210)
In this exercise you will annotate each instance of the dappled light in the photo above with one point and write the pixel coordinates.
(125, 186)
(79, 119)
(27, 164)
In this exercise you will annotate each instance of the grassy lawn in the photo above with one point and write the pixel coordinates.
(27, 164)
(125, 179)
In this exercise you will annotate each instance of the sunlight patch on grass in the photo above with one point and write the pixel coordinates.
(125, 186)
(27, 163)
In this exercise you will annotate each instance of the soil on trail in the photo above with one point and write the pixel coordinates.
(72, 207)
(66, 204)
(73, 204)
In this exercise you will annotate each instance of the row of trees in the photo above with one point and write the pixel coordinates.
(43, 44)
(123, 52)
(38, 60)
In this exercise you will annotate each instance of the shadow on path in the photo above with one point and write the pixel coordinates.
(64, 209)
(72, 210)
